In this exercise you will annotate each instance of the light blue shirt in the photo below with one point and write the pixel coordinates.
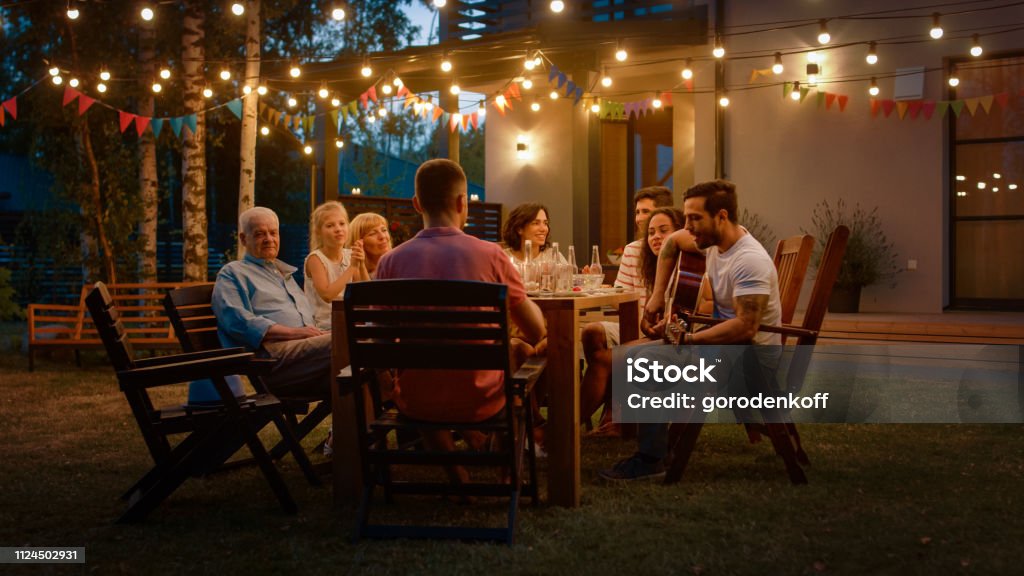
(253, 294)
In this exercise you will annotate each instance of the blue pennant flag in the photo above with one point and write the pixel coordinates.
(236, 107)
(570, 87)
(176, 125)
(156, 125)
(562, 78)
(579, 95)
(552, 72)
(190, 121)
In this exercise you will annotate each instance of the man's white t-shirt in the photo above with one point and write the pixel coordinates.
(745, 269)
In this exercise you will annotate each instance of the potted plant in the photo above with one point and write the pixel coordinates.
(870, 256)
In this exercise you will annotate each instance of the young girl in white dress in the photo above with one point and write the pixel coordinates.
(330, 266)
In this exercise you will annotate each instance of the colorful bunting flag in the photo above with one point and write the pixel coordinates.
(562, 79)
(190, 122)
(69, 96)
(928, 108)
(941, 108)
(438, 112)
(972, 105)
(156, 125)
(901, 109)
(888, 106)
(843, 98)
(803, 93)
(986, 103)
(820, 97)
(234, 105)
(140, 124)
(1003, 98)
(552, 73)
(372, 92)
(570, 87)
(829, 99)
(787, 89)
(84, 102)
(957, 106)
(11, 105)
(364, 99)
(474, 118)
(177, 122)
(915, 109)
(126, 119)
(513, 90)
(875, 107)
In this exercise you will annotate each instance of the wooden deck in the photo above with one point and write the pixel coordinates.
(958, 327)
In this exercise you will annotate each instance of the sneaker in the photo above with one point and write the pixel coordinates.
(636, 467)
(329, 443)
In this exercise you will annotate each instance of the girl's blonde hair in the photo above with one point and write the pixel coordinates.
(316, 221)
(363, 223)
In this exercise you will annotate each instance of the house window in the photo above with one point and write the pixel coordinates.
(987, 185)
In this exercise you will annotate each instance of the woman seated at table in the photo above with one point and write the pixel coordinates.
(527, 222)
(594, 389)
(371, 230)
(330, 266)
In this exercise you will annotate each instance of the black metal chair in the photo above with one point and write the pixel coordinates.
(211, 433)
(399, 325)
(190, 311)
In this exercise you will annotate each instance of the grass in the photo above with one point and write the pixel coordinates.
(883, 499)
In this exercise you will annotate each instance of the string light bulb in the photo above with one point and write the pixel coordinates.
(261, 90)
(953, 80)
(157, 87)
(606, 80)
(225, 74)
(397, 82)
(335, 102)
(872, 57)
(724, 100)
(207, 92)
(620, 53)
(165, 73)
(446, 63)
(307, 149)
(339, 143)
(873, 87)
(454, 89)
(74, 83)
(531, 61)
(595, 107)
(246, 89)
(656, 103)
(687, 72)
(366, 70)
(535, 106)
(73, 12)
(386, 89)
(295, 71)
(371, 119)
(719, 50)
(292, 102)
(440, 3)
(382, 112)
(57, 80)
(101, 87)
(338, 13)
(823, 36)
(54, 71)
(481, 111)
(557, 6)
(936, 31)
(553, 95)
(264, 130)
(795, 94)
(976, 46)
(323, 92)
(527, 83)
(237, 8)
(147, 13)
(104, 75)
(777, 66)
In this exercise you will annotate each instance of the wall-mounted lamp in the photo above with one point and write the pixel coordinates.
(523, 149)
(357, 191)
(474, 197)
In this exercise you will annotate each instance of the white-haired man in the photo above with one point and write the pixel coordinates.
(260, 307)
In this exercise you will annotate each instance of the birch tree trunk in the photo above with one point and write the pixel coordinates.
(247, 153)
(147, 158)
(193, 157)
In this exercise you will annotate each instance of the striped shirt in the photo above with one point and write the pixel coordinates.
(629, 267)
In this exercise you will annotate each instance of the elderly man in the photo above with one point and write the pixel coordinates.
(260, 307)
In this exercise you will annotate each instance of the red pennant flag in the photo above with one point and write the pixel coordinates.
(888, 106)
(11, 105)
(666, 98)
(402, 90)
(125, 118)
(513, 91)
(69, 95)
(688, 84)
(362, 99)
(453, 121)
(829, 99)
(437, 113)
(499, 103)
(2, 115)
(928, 108)
(1003, 98)
(141, 122)
(84, 102)
(843, 99)
(465, 121)
(915, 109)
(372, 91)
(474, 119)
(874, 107)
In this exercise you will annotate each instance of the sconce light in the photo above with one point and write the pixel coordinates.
(357, 191)
(523, 151)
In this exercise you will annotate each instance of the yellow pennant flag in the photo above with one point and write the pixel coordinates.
(986, 103)
(972, 104)
(901, 109)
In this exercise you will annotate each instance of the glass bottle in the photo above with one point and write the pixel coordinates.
(595, 262)
(572, 259)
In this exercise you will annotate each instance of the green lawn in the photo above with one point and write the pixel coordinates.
(888, 499)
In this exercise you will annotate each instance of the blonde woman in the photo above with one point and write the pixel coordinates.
(370, 231)
(330, 266)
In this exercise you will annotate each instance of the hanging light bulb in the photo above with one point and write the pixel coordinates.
(719, 50)
(237, 8)
(440, 3)
(261, 90)
(165, 73)
(382, 112)
(953, 80)
(595, 107)
(147, 12)
(157, 87)
(531, 62)
(872, 57)
(620, 53)
(724, 100)
(295, 71)
(687, 72)
(207, 92)
(104, 75)
(307, 149)
(335, 102)
(225, 74)
(795, 94)
(873, 87)
(936, 31)
(366, 70)
(264, 130)
(338, 13)
(823, 36)
(58, 80)
(454, 89)
(777, 66)
(74, 83)
(429, 105)
(446, 63)
(397, 82)
(527, 83)
(606, 80)
(73, 12)
(813, 57)
(54, 71)
(323, 92)
(371, 119)
(292, 102)
(656, 103)
(553, 95)
(481, 111)
(246, 89)
(339, 143)
(557, 6)
(976, 46)
(101, 87)
(535, 106)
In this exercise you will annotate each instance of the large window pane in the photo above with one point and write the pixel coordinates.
(988, 78)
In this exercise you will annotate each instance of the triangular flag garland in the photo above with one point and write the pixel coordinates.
(141, 122)
(11, 106)
(176, 125)
(84, 102)
(125, 118)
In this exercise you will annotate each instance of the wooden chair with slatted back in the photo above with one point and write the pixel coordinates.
(683, 437)
(190, 311)
(211, 433)
(446, 325)
(792, 257)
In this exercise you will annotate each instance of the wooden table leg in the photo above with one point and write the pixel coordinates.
(562, 440)
(629, 321)
(347, 470)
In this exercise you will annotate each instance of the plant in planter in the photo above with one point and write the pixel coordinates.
(870, 256)
(759, 229)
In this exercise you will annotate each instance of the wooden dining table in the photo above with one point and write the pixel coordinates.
(562, 437)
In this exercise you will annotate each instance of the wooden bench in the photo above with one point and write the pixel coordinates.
(69, 326)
